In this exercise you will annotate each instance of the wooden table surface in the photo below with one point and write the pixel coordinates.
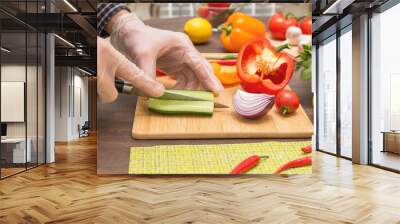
(115, 119)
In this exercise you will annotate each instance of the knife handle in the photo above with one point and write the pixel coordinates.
(124, 87)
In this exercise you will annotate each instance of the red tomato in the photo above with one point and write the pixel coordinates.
(306, 25)
(279, 23)
(219, 4)
(202, 11)
(287, 101)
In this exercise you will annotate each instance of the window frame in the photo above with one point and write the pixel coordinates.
(333, 37)
(381, 9)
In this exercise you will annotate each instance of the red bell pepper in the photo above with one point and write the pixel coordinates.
(262, 69)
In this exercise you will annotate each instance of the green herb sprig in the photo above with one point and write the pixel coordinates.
(303, 61)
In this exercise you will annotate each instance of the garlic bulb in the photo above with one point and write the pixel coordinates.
(293, 35)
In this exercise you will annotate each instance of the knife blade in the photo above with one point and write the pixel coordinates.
(127, 88)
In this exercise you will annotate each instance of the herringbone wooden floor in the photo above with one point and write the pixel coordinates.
(69, 191)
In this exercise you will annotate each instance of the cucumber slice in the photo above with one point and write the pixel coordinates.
(201, 95)
(181, 106)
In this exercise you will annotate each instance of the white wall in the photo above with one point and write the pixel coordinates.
(33, 126)
(61, 103)
(71, 93)
(81, 100)
(12, 73)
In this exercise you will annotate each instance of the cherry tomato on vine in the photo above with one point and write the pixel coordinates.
(306, 25)
(279, 23)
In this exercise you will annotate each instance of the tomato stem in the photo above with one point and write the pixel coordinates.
(285, 110)
(290, 15)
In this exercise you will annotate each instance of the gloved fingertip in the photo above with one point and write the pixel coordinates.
(220, 87)
(108, 96)
(217, 87)
(217, 92)
(157, 90)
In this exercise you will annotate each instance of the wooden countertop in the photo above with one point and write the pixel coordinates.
(115, 119)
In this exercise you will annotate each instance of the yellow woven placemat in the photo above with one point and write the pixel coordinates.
(215, 159)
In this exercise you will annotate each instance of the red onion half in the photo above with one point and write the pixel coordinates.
(252, 105)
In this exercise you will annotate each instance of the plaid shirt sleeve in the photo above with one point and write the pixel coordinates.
(105, 11)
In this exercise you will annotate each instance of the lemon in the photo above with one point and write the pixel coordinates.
(198, 29)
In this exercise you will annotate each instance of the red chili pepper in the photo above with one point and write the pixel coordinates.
(247, 164)
(224, 62)
(305, 161)
(307, 149)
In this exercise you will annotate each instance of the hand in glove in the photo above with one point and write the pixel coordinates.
(171, 52)
(111, 64)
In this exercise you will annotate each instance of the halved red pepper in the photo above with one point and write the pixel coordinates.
(263, 70)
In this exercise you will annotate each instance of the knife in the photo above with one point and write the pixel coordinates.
(127, 88)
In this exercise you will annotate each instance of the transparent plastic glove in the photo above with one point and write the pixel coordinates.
(172, 52)
(111, 64)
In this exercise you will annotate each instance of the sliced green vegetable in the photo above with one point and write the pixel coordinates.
(229, 57)
(171, 103)
(164, 106)
(201, 95)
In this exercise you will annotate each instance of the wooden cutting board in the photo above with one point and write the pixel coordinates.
(224, 123)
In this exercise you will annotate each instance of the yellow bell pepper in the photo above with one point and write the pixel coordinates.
(226, 74)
